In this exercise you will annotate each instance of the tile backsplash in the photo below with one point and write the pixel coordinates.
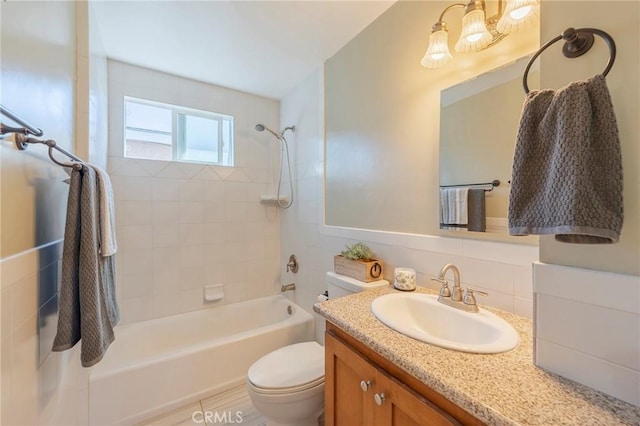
(587, 328)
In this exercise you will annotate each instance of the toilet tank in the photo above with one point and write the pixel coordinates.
(341, 285)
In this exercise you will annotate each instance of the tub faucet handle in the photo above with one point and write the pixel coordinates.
(293, 264)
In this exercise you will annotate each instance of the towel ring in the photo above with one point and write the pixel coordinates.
(577, 42)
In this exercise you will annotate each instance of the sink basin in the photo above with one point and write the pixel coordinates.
(422, 317)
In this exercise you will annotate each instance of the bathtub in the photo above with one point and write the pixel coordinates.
(158, 365)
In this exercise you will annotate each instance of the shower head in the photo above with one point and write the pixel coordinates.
(261, 128)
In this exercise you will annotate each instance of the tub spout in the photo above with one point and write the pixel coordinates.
(288, 287)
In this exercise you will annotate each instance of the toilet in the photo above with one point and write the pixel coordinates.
(286, 386)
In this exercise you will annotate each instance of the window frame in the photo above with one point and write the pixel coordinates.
(179, 115)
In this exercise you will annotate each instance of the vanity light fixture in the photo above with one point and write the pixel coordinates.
(478, 32)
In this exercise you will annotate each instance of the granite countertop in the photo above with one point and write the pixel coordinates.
(499, 389)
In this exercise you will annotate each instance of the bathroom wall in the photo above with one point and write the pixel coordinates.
(38, 59)
(588, 296)
(91, 94)
(587, 321)
(504, 270)
(621, 21)
(382, 118)
(184, 225)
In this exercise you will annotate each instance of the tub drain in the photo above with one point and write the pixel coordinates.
(289, 310)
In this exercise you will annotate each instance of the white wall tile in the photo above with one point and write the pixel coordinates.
(616, 291)
(134, 213)
(166, 189)
(132, 310)
(191, 234)
(191, 212)
(602, 332)
(137, 285)
(594, 372)
(166, 212)
(135, 237)
(523, 281)
(490, 275)
(135, 188)
(166, 235)
(588, 327)
(135, 261)
(523, 307)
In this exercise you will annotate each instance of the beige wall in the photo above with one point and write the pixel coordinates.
(382, 118)
(621, 20)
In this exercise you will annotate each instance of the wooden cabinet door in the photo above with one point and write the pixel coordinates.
(346, 402)
(357, 393)
(397, 405)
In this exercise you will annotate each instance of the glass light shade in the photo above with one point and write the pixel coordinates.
(518, 15)
(437, 53)
(474, 35)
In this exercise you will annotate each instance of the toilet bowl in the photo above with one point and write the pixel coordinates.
(286, 386)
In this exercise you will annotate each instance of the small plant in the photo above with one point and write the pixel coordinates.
(358, 251)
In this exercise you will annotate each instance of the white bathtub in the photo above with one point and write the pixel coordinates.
(158, 365)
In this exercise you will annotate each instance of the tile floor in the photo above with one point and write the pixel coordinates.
(232, 407)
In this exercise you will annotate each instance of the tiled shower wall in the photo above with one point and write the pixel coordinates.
(182, 225)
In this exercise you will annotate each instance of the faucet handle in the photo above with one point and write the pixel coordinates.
(444, 290)
(469, 298)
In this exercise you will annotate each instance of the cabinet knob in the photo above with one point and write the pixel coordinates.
(379, 398)
(365, 385)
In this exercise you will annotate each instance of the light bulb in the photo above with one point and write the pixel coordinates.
(474, 35)
(518, 15)
(437, 53)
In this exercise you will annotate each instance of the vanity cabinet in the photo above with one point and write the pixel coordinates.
(359, 390)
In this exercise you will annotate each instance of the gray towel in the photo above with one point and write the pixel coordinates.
(567, 168)
(477, 211)
(88, 307)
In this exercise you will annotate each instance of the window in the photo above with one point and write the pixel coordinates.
(157, 131)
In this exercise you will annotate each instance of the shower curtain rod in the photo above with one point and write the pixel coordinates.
(21, 139)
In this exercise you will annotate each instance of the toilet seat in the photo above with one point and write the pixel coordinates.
(291, 369)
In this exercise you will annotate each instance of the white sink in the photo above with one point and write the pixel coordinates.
(422, 317)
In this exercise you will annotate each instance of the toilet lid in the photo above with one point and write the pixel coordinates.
(289, 367)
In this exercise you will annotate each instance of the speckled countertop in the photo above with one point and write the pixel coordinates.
(499, 389)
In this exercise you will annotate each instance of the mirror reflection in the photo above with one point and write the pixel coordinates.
(478, 125)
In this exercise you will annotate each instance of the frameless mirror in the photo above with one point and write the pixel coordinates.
(478, 126)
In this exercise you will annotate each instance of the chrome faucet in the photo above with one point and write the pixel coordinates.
(288, 287)
(456, 298)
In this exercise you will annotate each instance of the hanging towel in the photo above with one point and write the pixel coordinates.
(108, 243)
(567, 167)
(444, 206)
(88, 307)
(461, 197)
(477, 211)
(453, 208)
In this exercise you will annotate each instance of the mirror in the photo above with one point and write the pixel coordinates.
(478, 126)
